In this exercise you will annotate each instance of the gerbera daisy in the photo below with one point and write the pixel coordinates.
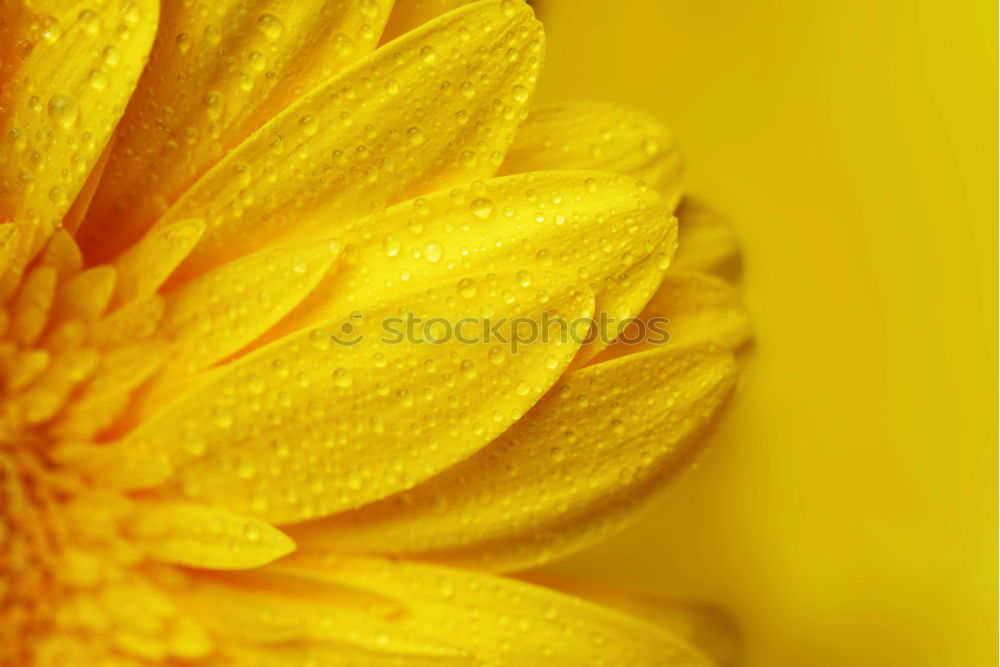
(208, 212)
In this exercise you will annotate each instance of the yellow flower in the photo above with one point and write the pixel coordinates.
(211, 455)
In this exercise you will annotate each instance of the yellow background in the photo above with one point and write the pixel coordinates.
(846, 514)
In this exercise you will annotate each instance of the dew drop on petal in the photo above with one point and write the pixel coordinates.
(428, 54)
(90, 21)
(343, 378)
(416, 136)
(309, 125)
(481, 207)
(112, 56)
(433, 253)
(391, 245)
(270, 25)
(63, 110)
(496, 354)
(99, 80)
(467, 287)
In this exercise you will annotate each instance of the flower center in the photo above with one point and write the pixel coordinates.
(30, 540)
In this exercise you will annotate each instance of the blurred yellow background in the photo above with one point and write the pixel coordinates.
(847, 512)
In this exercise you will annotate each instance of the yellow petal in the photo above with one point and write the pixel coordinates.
(691, 307)
(9, 242)
(201, 536)
(74, 216)
(305, 427)
(219, 71)
(598, 136)
(105, 398)
(328, 655)
(269, 607)
(603, 433)
(149, 262)
(15, 239)
(47, 395)
(30, 310)
(62, 254)
(637, 285)
(85, 295)
(598, 226)
(21, 367)
(112, 466)
(707, 241)
(59, 108)
(503, 622)
(701, 308)
(22, 26)
(703, 626)
(409, 14)
(399, 123)
(216, 314)
(135, 321)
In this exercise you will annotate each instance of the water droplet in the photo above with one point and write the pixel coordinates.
(99, 79)
(391, 245)
(520, 94)
(467, 287)
(63, 110)
(130, 12)
(496, 355)
(422, 207)
(416, 136)
(57, 195)
(90, 21)
(258, 61)
(214, 105)
(17, 139)
(428, 54)
(343, 44)
(433, 253)
(252, 532)
(481, 207)
(309, 125)
(270, 25)
(343, 378)
(112, 56)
